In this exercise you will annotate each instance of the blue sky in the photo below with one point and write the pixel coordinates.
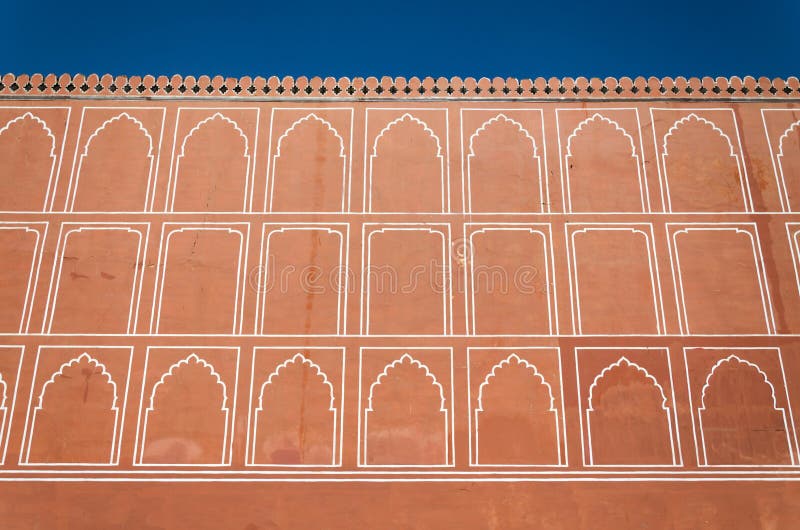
(404, 38)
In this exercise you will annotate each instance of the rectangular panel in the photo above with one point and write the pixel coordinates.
(201, 282)
(719, 277)
(406, 279)
(509, 278)
(97, 276)
(304, 273)
(614, 282)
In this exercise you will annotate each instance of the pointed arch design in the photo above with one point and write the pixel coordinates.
(618, 432)
(204, 179)
(737, 429)
(789, 165)
(299, 429)
(74, 427)
(697, 178)
(187, 432)
(510, 179)
(405, 180)
(132, 175)
(27, 188)
(417, 438)
(302, 187)
(517, 431)
(599, 178)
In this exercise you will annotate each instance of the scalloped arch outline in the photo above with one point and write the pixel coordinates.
(302, 359)
(731, 358)
(595, 118)
(195, 359)
(496, 119)
(692, 117)
(618, 364)
(118, 117)
(520, 362)
(72, 362)
(407, 117)
(307, 118)
(175, 173)
(216, 116)
(40, 122)
(406, 359)
(789, 130)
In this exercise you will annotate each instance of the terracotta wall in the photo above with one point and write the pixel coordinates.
(452, 288)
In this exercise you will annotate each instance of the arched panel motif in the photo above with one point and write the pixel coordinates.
(115, 168)
(212, 172)
(295, 421)
(602, 169)
(702, 171)
(26, 174)
(740, 420)
(516, 421)
(788, 159)
(504, 169)
(186, 421)
(406, 420)
(628, 418)
(309, 168)
(76, 415)
(406, 169)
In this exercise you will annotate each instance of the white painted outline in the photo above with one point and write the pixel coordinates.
(793, 231)
(637, 152)
(57, 158)
(343, 231)
(338, 441)
(563, 435)
(739, 353)
(442, 229)
(646, 229)
(40, 229)
(129, 114)
(449, 411)
(66, 229)
(8, 412)
(475, 432)
(230, 411)
(405, 114)
(119, 426)
(735, 151)
(673, 229)
(468, 154)
(167, 230)
(347, 164)
(250, 146)
(543, 229)
(668, 404)
(777, 157)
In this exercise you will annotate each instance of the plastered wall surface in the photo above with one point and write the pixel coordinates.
(361, 303)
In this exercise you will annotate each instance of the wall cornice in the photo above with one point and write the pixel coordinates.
(389, 88)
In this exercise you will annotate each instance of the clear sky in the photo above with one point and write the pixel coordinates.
(403, 38)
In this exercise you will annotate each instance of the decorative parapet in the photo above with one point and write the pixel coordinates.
(399, 87)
